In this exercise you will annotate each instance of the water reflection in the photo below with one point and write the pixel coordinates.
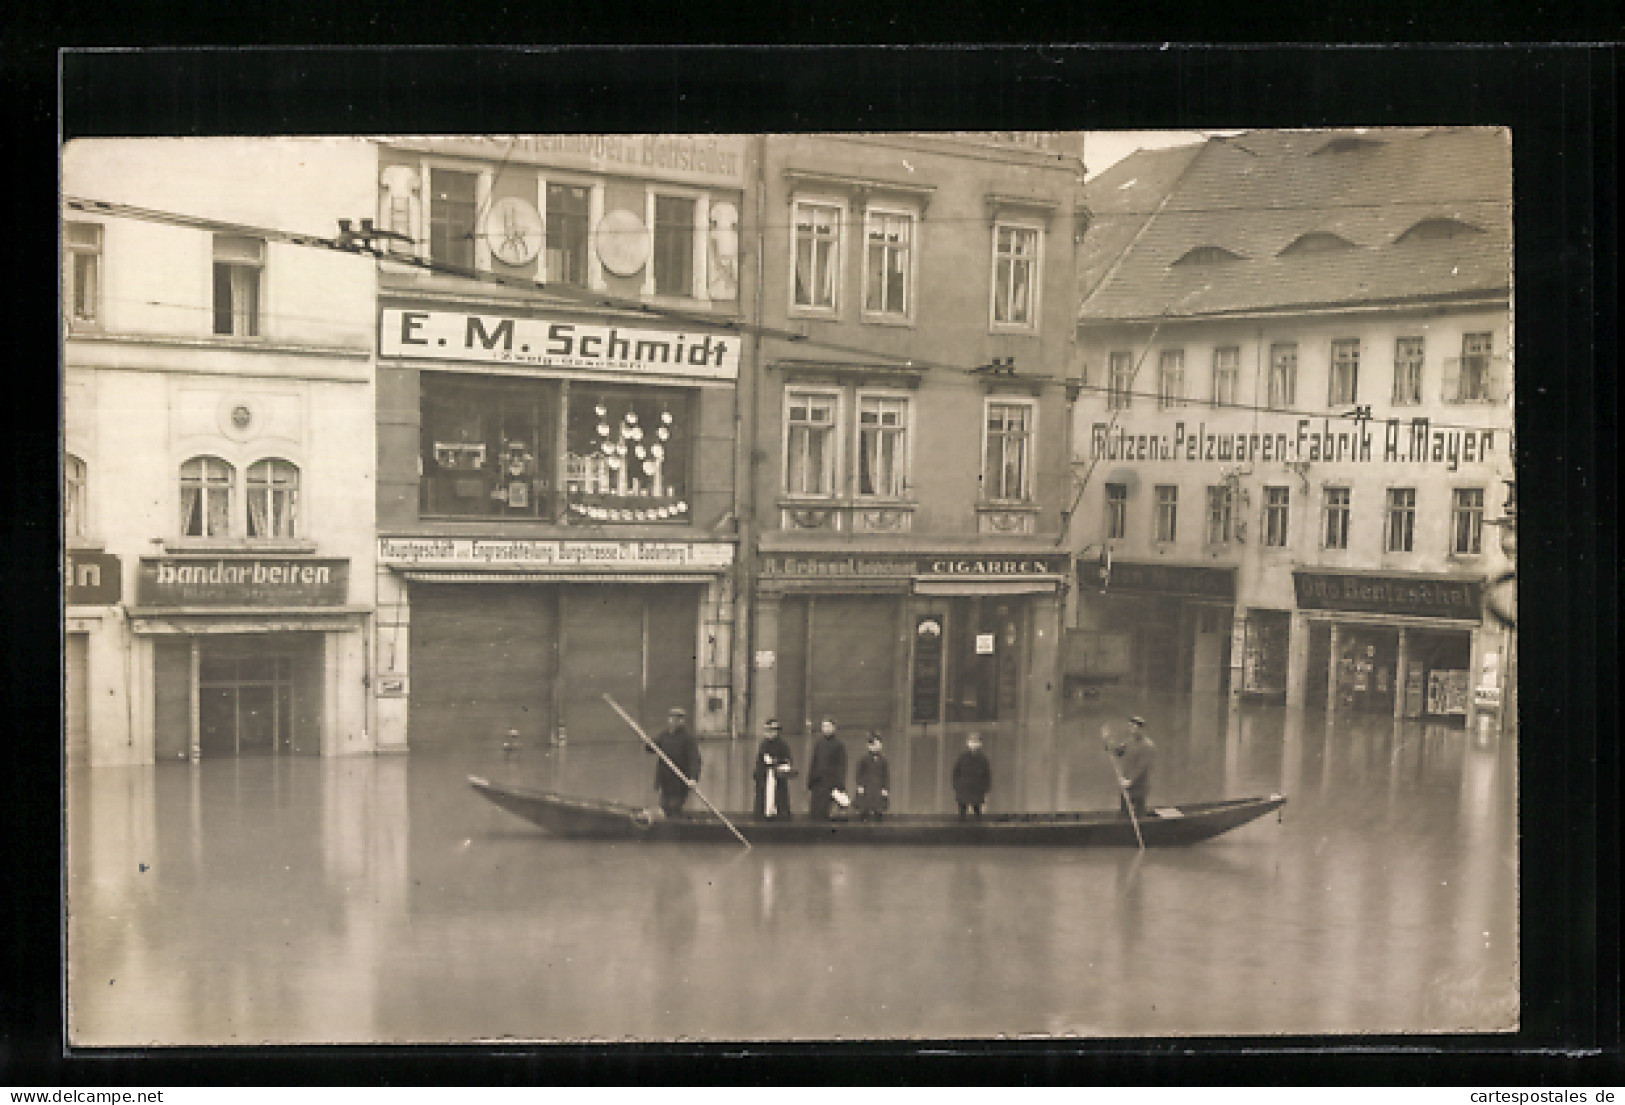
(298, 899)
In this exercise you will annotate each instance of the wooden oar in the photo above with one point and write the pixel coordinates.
(692, 785)
(1122, 787)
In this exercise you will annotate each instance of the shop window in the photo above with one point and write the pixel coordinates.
(1283, 375)
(207, 485)
(1007, 452)
(238, 266)
(82, 269)
(1335, 534)
(809, 442)
(1219, 509)
(486, 446)
(1226, 376)
(1015, 275)
(1344, 387)
(888, 264)
(1116, 510)
(882, 446)
(1120, 386)
(452, 208)
(982, 654)
(1407, 372)
(273, 499)
(1167, 514)
(1467, 521)
(628, 455)
(73, 496)
(1277, 506)
(1401, 519)
(815, 276)
(1171, 379)
(674, 245)
(566, 221)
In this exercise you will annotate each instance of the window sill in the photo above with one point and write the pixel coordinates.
(1023, 505)
(1466, 557)
(900, 321)
(84, 544)
(237, 545)
(1011, 329)
(815, 314)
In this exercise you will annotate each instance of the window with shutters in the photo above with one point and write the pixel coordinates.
(1472, 371)
(1407, 371)
(239, 264)
(1344, 387)
(1401, 529)
(1283, 375)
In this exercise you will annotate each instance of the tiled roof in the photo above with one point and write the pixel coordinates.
(1255, 194)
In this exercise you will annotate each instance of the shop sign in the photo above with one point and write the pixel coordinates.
(1413, 441)
(557, 343)
(1416, 596)
(927, 668)
(406, 552)
(242, 581)
(392, 685)
(93, 578)
(700, 158)
(1173, 579)
(810, 565)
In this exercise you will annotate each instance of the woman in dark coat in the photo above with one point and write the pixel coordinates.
(873, 782)
(827, 773)
(973, 777)
(772, 774)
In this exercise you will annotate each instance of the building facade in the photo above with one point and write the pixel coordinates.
(1295, 433)
(908, 431)
(559, 343)
(217, 450)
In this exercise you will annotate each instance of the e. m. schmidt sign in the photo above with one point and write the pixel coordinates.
(242, 581)
(557, 343)
(1420, 597)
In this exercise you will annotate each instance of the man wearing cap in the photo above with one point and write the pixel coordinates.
(681, 749)
(1135, 755)
(772, 774)
(828, 772)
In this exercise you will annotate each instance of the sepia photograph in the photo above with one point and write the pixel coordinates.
(863, 585)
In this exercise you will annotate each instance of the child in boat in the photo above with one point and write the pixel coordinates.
(973, 777)
(874, 782)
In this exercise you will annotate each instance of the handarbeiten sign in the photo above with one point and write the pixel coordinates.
(1417, 596)
(242, 581)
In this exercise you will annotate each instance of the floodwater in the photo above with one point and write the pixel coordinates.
(298, 900)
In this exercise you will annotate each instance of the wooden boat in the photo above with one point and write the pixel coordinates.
(585, 819)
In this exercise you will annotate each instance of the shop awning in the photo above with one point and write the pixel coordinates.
(557, 577)
(984, 586)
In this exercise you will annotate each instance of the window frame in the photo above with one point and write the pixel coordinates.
(593, 276)
(1278, 401)
(1119, 399)
(495, 399)
(1029, 454)
(1406, 360)
(1116, 527)
(234, 268)
(1344, 355)
(1231, 372)
(1171, 398)
(72, 253)
(698, 288)
(1275, 529)
(1485, 356)
(1035, 279)
(1395, 511)
(203, 483)
(1330, 510)
(837, 254)
(1473, 514)
(1219, 530)
(905, 451)
(479, 258)
(834, 467)
(1167, 507)
(875, 212)
(290, 491)
(75, 495)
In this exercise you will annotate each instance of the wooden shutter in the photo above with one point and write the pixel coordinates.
(603, 654)
(172, 698)
(854, 645)
(792, 665)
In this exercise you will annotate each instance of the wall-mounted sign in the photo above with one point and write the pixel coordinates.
(393, 685)
(242, 581)
(93, 578)
(927, 668)
(1169, 579)
(632, 556)
(513, 230)
(1293, 440)
(622, 242)
(557, 343)
(984, 644)
(698, 158)
(1417, 596)
(789, 566)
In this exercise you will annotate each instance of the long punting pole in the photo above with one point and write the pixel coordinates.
(1122, 788)
(695, 787)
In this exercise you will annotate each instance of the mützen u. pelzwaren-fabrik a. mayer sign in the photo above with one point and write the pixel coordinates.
(1393, 441)
(558, 343)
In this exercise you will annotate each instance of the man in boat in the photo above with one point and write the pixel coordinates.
(1135, 755)
(773, 770)
(681, 749)
(827, 773)
(873, 782)
(973, 777)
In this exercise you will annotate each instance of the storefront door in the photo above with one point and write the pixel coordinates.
(258, 695)
(970, 652)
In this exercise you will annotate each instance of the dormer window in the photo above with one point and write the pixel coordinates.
(1318, 241)
(1439, 229)
(1208, 255)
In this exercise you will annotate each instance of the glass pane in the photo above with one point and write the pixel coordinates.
(628, 454)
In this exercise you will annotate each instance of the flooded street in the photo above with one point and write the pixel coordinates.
(297, 899)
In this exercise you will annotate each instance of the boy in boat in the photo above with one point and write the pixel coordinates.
(827, 773)
(874, 782)
(683, 750)
(772, 774)
(1135, 756)
(973, 777)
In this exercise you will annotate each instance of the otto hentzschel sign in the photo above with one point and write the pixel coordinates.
(242, 581)
(1432, 597)
(558, 343)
